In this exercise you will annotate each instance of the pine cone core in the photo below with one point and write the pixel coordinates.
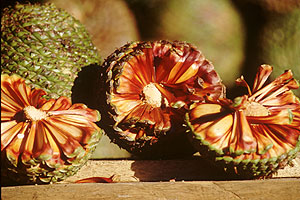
(152, 95)
(34, 114)
(255, 109)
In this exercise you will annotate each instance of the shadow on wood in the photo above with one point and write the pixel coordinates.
(192, 169)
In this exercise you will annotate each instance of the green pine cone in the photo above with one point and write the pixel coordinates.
(46, 46)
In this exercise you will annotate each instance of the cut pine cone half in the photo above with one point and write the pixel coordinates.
(42, 141)
(149, 85)
(254, 135)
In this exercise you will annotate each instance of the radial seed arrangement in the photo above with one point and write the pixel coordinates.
(254, 135)
(43, 141)
(148, 87)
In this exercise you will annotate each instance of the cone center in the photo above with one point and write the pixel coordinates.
(255, 109)
(34, 114)
(152, 95)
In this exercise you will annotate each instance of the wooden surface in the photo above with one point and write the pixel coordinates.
(162, 180)
(272, 189)
(193, 169)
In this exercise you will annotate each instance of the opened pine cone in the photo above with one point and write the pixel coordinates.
(147, 88)
(43, 141)
(254, 135)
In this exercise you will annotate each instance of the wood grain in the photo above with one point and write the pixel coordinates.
(193, 169)
(288, 188)
(162, 179)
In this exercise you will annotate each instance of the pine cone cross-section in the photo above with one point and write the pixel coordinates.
(149, 84)
(43, 141)
(254, 135)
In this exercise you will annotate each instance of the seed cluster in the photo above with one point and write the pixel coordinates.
(152, 95)
(34, 114)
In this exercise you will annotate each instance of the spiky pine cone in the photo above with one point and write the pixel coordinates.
(42, 141)
(110, 23)
(147, 89)
(254, 135)
(46, 46)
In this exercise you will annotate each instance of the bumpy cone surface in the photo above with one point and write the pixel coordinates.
(42, 141)
(149, 85)
(254, 135)
(46, 46)
(110, 23)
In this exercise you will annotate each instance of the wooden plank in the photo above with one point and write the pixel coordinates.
(264, 189)
(193, 169)
(288, 188)
(162, 179)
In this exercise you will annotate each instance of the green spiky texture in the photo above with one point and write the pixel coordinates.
(46, 46)
(38, 172)
(110, 23)
(237, 168)
(263, 168)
